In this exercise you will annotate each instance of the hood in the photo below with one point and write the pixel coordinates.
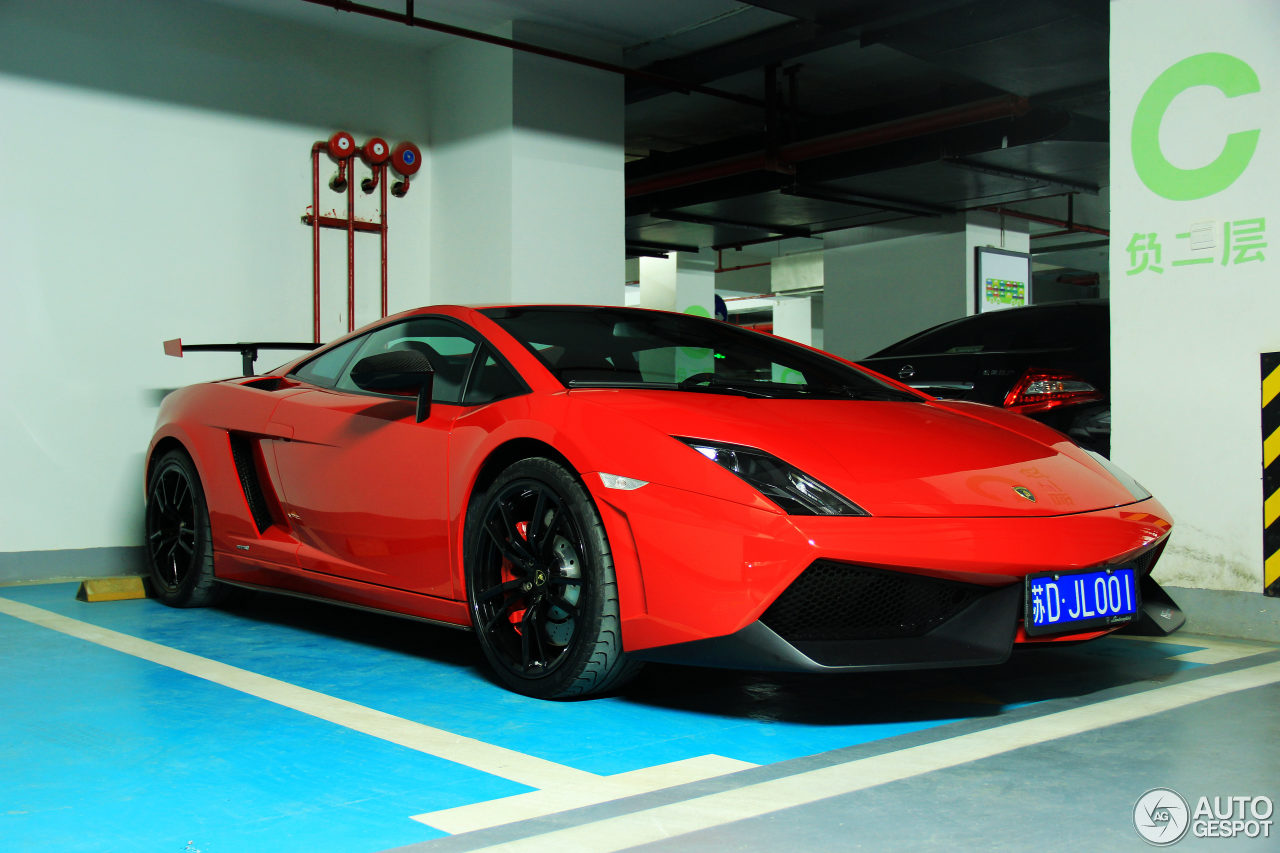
(903, 459)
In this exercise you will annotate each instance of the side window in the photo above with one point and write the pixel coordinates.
(491, 380)
(448, 346)
(324, 369)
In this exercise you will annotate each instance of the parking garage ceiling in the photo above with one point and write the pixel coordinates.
(753, 120)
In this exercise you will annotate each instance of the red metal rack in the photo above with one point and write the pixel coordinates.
(405, 159)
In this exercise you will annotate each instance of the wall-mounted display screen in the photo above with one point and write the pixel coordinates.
(1002, 279)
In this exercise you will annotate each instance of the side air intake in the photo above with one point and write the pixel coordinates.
(242, 451)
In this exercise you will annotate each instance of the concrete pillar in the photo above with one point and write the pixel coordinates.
(526, 175)
(1195, 198)
(793, 319)
(686, 284)
(885, 282)
(679, 282)
(793, 315)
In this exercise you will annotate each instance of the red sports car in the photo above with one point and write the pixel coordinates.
(589, 487)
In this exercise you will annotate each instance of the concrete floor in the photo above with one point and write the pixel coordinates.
(276, 724)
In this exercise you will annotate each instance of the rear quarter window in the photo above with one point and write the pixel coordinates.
(324, 369)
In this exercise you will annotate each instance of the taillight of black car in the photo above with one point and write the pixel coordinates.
(1040, 390)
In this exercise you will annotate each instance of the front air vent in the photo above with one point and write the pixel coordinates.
(1146, 562)
(833, 601)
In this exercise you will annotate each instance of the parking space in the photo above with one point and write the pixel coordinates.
(283, 724)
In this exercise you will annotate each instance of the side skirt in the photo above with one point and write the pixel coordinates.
(235, 570)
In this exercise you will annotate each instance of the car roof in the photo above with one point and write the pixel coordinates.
(1025, 321)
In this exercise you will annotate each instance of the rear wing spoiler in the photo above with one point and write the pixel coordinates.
(248, 350)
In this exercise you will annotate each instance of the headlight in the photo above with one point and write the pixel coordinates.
(790, 488)
(1135, 488)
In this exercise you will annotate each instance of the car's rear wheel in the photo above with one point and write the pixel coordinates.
(179, 544)
(541, 586)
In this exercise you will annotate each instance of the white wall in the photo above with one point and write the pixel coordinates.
(149, 196)
(569, 173)
(528, 175)
(471, 134)
(1186, 339)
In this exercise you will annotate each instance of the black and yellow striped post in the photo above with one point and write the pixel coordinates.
(1271, 472)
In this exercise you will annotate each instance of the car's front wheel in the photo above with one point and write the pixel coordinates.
(179, 545)
(541, 586)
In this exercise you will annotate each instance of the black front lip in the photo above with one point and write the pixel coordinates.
(981, 634)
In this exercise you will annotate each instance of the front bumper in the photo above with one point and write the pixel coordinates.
(927, 624)
(702, 580)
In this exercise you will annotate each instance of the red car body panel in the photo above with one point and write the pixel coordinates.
(368, 507)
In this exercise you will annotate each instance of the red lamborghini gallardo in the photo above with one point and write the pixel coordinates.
(587, 488)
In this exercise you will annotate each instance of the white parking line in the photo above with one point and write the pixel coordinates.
(1211, 649)
(506, 763)
(668, 821)
(553, 799)
(564, 787)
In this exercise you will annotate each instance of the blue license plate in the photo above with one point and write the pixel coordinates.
(1060, 602)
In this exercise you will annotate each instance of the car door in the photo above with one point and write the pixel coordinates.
(364, 486)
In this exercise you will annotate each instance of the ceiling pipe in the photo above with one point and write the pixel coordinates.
(814, 234)
(639, 252)
(696, 219)
(862, 200)
(720, 267)
(656, 246)
(1067, 227)
(1075, 228)
(1071, 187)
(1073, 246)
(407, 17)
(976, 112)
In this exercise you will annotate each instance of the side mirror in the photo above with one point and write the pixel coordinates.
(404, 373)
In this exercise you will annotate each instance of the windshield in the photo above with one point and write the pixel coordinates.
(589, 347)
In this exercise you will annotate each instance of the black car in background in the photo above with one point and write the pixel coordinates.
(1051, 362)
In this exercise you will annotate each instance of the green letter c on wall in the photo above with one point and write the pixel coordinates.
(1229, 75)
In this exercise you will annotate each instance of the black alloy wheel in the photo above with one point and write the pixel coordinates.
(541, 585)
(178, 542)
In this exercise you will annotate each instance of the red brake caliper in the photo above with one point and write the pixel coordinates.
(515, 616)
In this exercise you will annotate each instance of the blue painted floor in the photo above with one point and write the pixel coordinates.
(107, 751)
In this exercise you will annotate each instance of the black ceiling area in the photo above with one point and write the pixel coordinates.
(753, 120)
(869, 112)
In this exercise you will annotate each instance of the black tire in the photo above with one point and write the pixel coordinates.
(541, 586)
(179, 545)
